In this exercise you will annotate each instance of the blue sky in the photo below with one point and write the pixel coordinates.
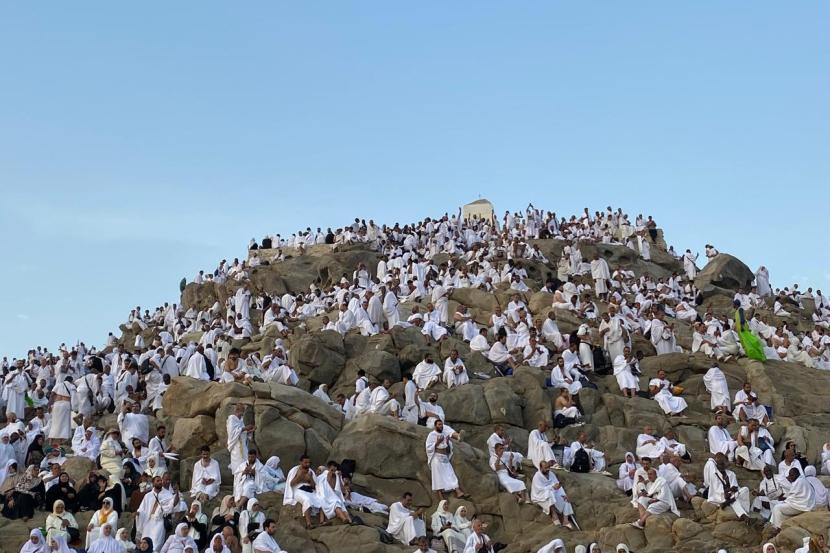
(140, 143)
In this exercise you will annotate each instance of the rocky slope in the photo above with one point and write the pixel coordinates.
(390, 454)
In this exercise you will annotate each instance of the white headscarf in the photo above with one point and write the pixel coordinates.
(106, 544)
(592, 546)
(769, 544)
(623, 547)
(39, 547)
(460, 522)
(125, 543)
(213, 538)
(580, 549)
(63, 547)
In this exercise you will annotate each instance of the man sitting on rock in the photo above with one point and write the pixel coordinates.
(596, 457)
(670, 471)
(755, 446)
(539, 447)
(770, 492)
(406, 524)
(301, 487)
(724, 490)
(656, 499)
(548, 493)
(478, 541)
(380, 402)
(720, 440)
(512, 459)
(648, 445)
(455, 373)
(800, 498)
(426, 373)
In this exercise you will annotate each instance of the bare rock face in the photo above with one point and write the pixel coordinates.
(319, 357)
(191, 434)
(724, 272)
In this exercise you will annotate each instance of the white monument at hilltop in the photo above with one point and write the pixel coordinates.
(480, 209)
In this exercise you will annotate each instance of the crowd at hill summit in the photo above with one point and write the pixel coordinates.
(54, 401)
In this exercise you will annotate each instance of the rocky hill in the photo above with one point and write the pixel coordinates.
(390, 456)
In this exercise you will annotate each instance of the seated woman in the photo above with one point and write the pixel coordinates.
(106, 543)
(273, 478)
(251, 519)
(22, 492)
(226, 514)
(63, 490)
(57, 544)
(179, 541)
(131, 478)
(198, 522)
(36, 543)
(60, 522)
(123, 539)
(91, 493)
(35, 453)
(105, 515)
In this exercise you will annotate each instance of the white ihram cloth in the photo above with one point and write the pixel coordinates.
(403, 526)
(668, 402)
(799, 499)
(201, 472)
(294, 495)
(715, 382)
(547, 492)
(237, 441)
(659, 490)
(650, 450)
(510, 484)
(538, 449)
(443, 475)
(625, 378)
(266, 542)
(717, 492)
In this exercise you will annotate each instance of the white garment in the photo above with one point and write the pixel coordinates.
(443, 475)
(402, 525)
(715, 382)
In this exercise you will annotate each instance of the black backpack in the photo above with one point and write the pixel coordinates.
(581, 463)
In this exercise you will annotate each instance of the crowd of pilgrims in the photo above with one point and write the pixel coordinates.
(51, 400)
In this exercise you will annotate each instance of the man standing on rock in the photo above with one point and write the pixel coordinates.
(439, 454)
(157, 504)
(238, 436)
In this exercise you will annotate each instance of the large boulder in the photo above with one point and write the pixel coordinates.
(78, 468)
(191, 434)
(320, 357)
(189, 397)
(725, 271)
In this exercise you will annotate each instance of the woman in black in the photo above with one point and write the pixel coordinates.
(64, 490)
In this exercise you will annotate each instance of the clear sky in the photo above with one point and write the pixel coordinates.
(142, 142)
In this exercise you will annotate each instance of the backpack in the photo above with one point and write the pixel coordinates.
(581, 462)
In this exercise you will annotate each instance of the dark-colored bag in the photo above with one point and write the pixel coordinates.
(168, 524)
(587, 383)
(347, 468)
(581, 463)
(601, 364)
(561, 421)
(386, 537)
